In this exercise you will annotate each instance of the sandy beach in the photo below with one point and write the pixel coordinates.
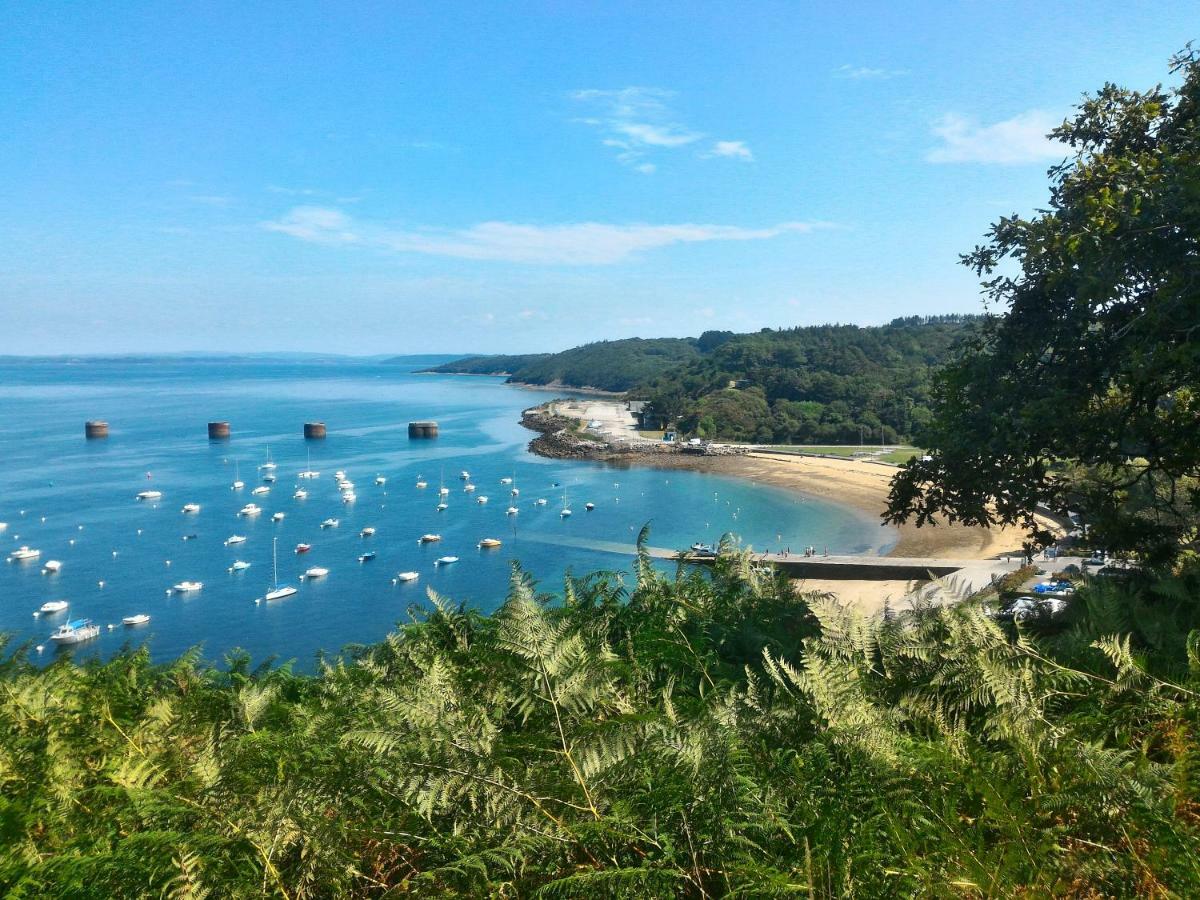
(857, 483)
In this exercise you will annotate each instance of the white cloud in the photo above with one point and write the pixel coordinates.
(574, 244)
(1021, 139)
(634, 121)
(734, 149)
(318, 224)
(864, 73)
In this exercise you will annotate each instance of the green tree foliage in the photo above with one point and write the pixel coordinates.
(708, 733)
(822, 384)
(499, 364)
(1095, 357)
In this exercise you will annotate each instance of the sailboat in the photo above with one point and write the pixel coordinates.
(566, 510)
(269, 464)
(279, 590)
(308, 469)
(238, 484)
(512, 510)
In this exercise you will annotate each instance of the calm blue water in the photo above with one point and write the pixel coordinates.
(74, 500)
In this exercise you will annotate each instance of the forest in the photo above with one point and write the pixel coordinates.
(805, 385)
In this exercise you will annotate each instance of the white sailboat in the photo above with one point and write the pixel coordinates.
(308, 469)
(139, 619)
(278, 590)
(238, 484)
(190, 508)
(269, 464)
(149, 495)
(566, 510)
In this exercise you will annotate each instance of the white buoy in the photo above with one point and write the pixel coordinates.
(114, 554)
(40, 648)
(71, 542)
(100, 584)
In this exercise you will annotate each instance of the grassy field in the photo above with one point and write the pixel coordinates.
(895, 455)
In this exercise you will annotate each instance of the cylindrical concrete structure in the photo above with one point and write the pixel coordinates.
(422, 429)
(95, 429)
(314, 430)
(218, 431)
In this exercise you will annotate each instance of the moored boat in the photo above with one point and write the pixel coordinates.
(250, 509)
(445, 560)
(190, 508)
(149, 495)
(488, 543)
(75, 632)
(138, 619)
(235, 539)
(23, 553)
(429, 538)
(301, 494)
(188, 587)
(50, 566)
(277, 517)
(330, 523)
(367, 532)
(366, 557)
(278, 590)
(316, 572)
(303, 548)
(407, 576)
(54, 606)
(239, 565)
(260, 490)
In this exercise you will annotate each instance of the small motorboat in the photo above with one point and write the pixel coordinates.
(190, 508)
(51, 566)
(511, 511)
(488, 543)
(303, 548)
(250, 509)
(188, 587)
(366, 557)
(464, 475)
(366, 532)
(442, 506)
(268, 479)
(149, 495)
(589, 506)
(53, 606)
(379, 479)
(445, 560)
(422, 484)
(506, 481)
(260, 490)
(481, 499)
(301, 494)
(139, 619)
(540, 501)
(316, 572)
(189, 537)
(564, 512)
(23, 553)
(340, 475)
(429, 538)
(235, 539)
(345, 486)
(239, 565)
(277, 517)
(469, 488)
(330, 523)
(349, 497)
(407, 576)
(443, 491)
(76, 632)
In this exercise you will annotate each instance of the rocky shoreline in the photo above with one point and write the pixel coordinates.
(560, 437)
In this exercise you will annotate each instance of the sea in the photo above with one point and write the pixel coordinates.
(75, 500)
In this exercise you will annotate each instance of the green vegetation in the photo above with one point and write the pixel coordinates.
(614, 366)
(499, 364)
(706, 734)
(895, 455)
(1085, 394)
(822, 384)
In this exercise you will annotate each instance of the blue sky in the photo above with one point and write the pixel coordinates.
(444, 177)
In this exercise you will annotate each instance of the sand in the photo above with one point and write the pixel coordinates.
(861, 485)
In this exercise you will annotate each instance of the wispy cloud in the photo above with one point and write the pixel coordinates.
(637, 122)
(866, 73)
(1021, 139)
(732, 149)
(218, 200)
(573, 244)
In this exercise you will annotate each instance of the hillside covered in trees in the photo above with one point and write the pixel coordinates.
(817, 384)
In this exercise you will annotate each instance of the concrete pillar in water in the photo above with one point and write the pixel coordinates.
(314, 430)
(425, 429)
(95, 429)
(218, 431)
